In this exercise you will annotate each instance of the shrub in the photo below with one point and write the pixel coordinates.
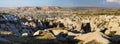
(112, 33)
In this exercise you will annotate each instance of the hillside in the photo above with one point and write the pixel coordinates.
(56, 25)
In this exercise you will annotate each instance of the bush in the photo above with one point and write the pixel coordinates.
(3, 13)
(112, 33)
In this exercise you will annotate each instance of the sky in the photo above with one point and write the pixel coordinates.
(61, 3)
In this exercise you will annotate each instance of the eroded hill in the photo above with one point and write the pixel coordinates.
(51, 25)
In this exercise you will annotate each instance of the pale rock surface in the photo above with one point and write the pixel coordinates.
(37, 33)
(113, 26)
(25, 34)
(98, 36)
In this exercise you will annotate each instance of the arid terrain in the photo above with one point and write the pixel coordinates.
(57, 25)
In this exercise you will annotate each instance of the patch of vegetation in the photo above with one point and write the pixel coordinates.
(112, 33)
(2, 13)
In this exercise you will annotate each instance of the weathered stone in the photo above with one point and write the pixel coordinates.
(98, 36)
(25, 34)
(37, 33)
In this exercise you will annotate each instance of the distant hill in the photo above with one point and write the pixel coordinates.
(36, 8)
(86, 8)
(3, 8)
(82, 8)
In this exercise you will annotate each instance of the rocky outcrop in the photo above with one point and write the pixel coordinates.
(97, 36)
(57, 31)
(51, 23)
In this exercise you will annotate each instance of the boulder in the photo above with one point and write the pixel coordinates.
(25, 34)
(37, 33)
(46, 35)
